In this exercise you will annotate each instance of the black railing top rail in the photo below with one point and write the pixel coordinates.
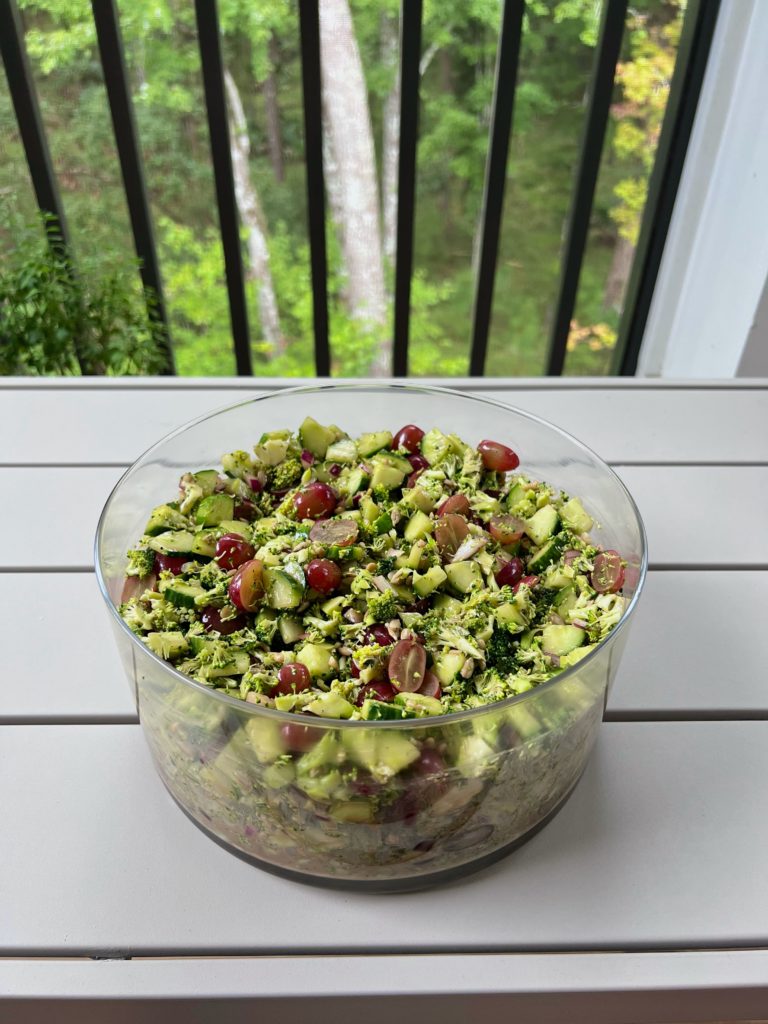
(698, 29)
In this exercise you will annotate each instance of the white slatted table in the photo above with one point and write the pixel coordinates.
(646, 899)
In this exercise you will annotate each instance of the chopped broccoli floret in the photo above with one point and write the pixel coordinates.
(382, 607)
(382, 496)
(140, 562)
(471, 468)
(264, 629)
(501, 652)
(210, 575)
(285, 474)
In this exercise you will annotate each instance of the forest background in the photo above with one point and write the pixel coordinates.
(360, 100)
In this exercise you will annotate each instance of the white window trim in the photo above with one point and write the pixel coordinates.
(715, 264)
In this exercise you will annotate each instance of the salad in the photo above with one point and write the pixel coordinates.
(382, 577)
(378, 589)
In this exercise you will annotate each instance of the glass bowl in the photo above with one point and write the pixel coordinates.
(429, 799)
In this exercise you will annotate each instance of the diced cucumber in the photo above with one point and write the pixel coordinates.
(523, 721)
(330, 705)
(386, 476)
(167, 645)
(265, 739)
(561, 640)
(369, 510)
(573, 515)
(283, 589)
(419, 499)
(435, 446)
(542, 525)
(351, 481)
(393, 460)
(342, 451)
(518, 496)
(419, 703)
(164, 518)
(566, 600)
(418, 526)
(178, 542)
(277, 776)
(206, 480)
(511, 617)
(557, 577)
(576, 655)
(382, 523)
(239, 663)
(275, 435)
(379, 710)
(404, 593)
(448, 605)
(546, 555)
(463, 576)
(204, 544)
(448, 665)
(272, 451)
(238, 464)
(238, 526)
(180, 594)
(369, 444)
(321, 787)
(383, 754)
(197, 642)
(414, 556)
(474, 756)
(327, 752)
(237, 488)
(429, 581)
(358, 812)
(316, 438)
(316, 657)
(290, 629)
(214, 508)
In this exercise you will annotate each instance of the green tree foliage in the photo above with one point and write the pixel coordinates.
(261, 49)
(54, 320)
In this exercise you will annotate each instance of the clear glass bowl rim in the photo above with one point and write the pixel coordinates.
(340, 723)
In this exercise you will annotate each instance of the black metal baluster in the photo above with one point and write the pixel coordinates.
(309, 24)
(599, 105)
(495, 179)
(410, 55)
(126, 138)
(690, 66)
(209, 40)
(22, 89)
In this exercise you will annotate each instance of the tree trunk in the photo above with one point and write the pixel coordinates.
(253, 219)
(272, 114)
(333, 193)
(354, 166)
(390, 143)
(618, 275)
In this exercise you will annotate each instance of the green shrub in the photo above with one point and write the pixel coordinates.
(56, 318)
